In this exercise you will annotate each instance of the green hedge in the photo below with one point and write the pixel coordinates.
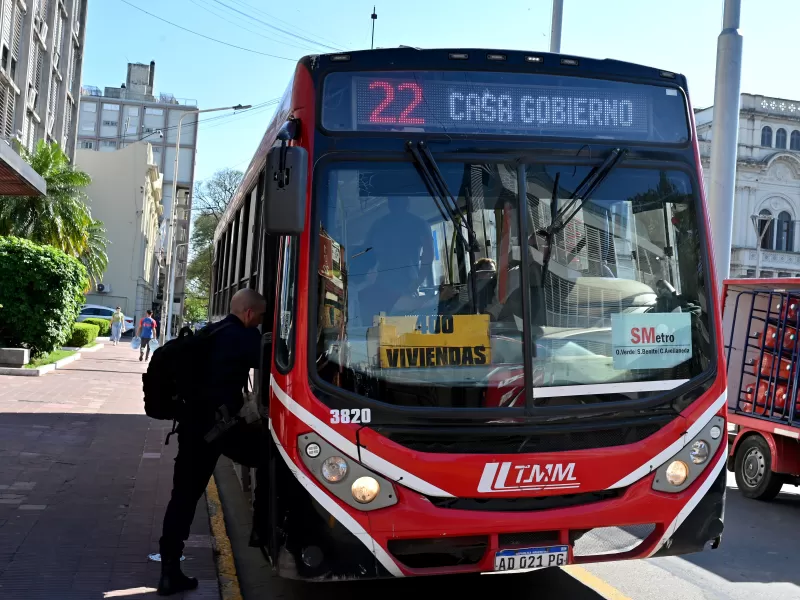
(104, 325)
(82, 334)
(41, 294)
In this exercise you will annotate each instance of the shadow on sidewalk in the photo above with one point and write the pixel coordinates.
(82, 498)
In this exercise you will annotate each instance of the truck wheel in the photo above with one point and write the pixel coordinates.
(754, 476)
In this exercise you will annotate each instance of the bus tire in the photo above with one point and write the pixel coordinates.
(754, 475)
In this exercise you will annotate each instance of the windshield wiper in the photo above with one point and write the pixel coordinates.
(447, 205)
(577, 200)
(445, 201)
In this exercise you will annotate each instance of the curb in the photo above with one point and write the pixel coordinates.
(38, 371)
(65, 361)
(94, 348)
(226, 568)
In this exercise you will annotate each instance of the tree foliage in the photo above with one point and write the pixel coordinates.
(213, 195)
(61, 218)
(41, 293)
(211, 198)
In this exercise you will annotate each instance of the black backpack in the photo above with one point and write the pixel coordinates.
(171, 377)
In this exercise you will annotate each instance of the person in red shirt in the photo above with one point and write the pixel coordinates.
(146, 331)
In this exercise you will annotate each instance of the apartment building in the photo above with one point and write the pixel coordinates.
(115, 117)
(125, 194)
(41, 59)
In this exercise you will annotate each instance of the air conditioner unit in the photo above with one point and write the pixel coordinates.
(103, 288)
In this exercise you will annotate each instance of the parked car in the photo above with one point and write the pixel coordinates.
(96, 311)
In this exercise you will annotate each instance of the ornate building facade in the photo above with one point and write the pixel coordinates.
(766, 229)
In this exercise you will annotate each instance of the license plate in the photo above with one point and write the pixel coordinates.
(531, 558)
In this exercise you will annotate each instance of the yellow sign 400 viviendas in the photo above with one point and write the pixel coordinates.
(434, 341)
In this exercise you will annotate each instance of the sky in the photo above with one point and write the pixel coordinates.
(676, 35)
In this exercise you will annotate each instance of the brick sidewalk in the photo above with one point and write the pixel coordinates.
(84, 481)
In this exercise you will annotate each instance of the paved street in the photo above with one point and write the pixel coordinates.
(84, 479)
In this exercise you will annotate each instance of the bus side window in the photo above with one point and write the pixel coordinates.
(283, 346)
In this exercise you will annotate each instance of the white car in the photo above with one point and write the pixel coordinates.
(96, 311)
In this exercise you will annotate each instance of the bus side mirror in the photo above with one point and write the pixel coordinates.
(285, 194)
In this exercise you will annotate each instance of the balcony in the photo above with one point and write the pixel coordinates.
(776, 261)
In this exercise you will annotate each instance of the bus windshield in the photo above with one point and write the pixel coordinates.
(409, 312)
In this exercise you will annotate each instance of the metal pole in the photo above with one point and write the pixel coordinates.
(374, 17)
(724, 145)
(555, 27)
(171, 232)
(760, 233)
(170, 279)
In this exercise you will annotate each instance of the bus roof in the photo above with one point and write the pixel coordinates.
(488, 59)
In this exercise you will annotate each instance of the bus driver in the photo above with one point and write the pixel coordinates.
(401, 245)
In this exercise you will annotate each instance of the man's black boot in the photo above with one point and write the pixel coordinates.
(172, 579)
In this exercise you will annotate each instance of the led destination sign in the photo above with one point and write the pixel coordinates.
(503, 103)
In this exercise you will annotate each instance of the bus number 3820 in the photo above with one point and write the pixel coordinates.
(351, 415)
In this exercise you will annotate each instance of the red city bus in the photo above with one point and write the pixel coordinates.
(488, 353)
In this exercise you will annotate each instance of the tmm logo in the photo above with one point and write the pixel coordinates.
(507, 477)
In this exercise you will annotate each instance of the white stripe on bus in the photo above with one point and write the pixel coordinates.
(338, 512)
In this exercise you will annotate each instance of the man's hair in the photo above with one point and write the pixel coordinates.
(149, 312)
(246, 299)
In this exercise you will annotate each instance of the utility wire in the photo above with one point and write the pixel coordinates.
(256, 108)
(214, 12)
(205, 36)
(275, 27)
(274, 18)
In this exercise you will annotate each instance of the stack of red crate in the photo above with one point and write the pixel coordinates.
(773, 368)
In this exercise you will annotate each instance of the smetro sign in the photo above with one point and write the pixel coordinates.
(508, 477)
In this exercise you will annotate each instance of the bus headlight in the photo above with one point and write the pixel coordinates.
(334, 469)
(699, 452)
(343, 476)
(680, 471)
(365, 489)
(677, 472)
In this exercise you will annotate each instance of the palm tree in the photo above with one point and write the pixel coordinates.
(61, 218)
(94, 256)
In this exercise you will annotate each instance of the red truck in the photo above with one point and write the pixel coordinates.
(761, 320)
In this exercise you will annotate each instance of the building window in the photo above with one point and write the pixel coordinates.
(133, 111)
(784, 274)
(780, 139)
(87, 145)
(751, 272)
(112, 107)
(785, 239)
(794, 141)
(108, 144)
(766, 136)
(156, 149)
(89, 106)
(767, 274)
(766, 229)
(110, 123)
(154, 111)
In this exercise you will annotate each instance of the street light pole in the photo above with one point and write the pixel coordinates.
(760, 233)
(725, 142)
(555, 27)
(170, 280)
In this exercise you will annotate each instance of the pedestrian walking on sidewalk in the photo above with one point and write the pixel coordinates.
(146, 331)
(210, 426)
(117, 325)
